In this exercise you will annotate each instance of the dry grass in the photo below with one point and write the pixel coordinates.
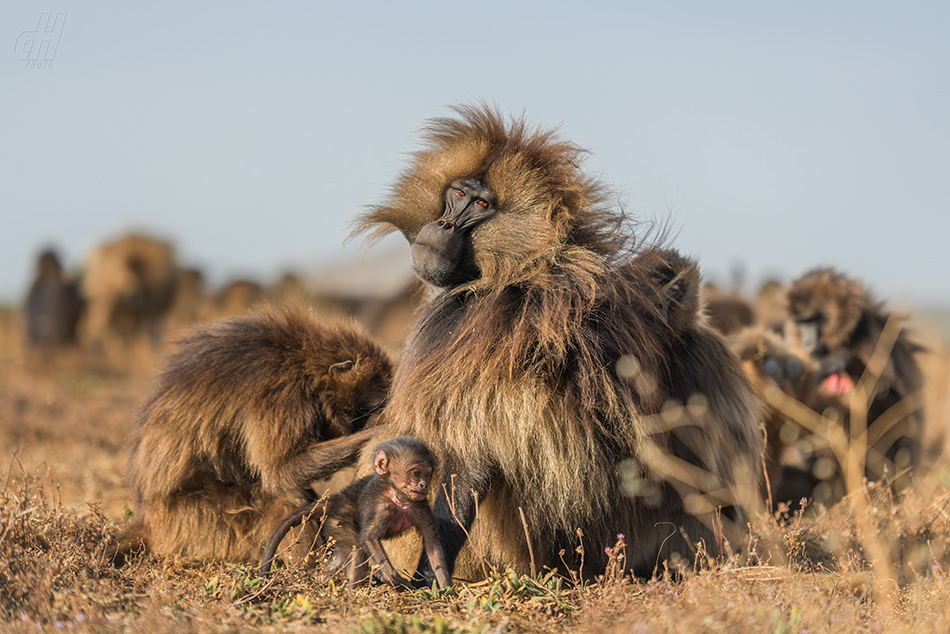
(872, 563)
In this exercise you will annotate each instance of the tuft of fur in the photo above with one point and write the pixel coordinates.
(224, 444)
(578, 375)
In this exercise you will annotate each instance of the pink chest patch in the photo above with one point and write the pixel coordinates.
(839, 383)
(400, 525)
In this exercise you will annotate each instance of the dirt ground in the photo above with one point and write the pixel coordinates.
(872, 563)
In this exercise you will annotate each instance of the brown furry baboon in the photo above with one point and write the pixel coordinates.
(390, 320)
(231, 436)
(557, 372)
(129, 286)
(236, 297)
(383, 504)
(727, 312)
(770, 306)
(771, 361)
(837, 322)
(190, 301)
(53, 306)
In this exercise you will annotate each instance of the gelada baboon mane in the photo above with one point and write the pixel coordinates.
(546, 205)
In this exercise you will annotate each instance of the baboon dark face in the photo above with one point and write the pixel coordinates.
(442, 252)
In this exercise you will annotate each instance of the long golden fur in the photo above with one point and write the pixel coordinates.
(225, 444)
(569, 359)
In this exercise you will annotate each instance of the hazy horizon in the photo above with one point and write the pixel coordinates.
(782, 137)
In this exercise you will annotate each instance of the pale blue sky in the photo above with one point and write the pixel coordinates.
(785, 135)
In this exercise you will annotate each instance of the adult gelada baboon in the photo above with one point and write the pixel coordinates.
(190, 301)
(236, 297)
(839, 324)
(727, 312)
(53, 306)
(129, 286)
(231, 436)
(556, 371)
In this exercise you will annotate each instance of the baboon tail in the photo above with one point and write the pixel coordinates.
(270, 551)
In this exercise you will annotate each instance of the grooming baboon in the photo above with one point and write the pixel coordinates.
(52, 307)
(230, 438)
(555, 372)
(129, 286)
(838, 323)
(373, 508)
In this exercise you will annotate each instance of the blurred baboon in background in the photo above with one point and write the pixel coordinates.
(288, 289)
(53, 306)
(191, 300)
(231, 436)
(129, 286)
(727, 312)
(236, 297)
(390, 320)
(555, 371)
(770, 306)
(838, 324)
(769, 361)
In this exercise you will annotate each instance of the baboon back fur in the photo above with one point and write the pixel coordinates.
(223, 443)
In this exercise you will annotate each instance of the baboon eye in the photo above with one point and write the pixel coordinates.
(460, 193)
(482, 203)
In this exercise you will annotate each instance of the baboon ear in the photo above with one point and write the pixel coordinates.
(681, 299)
(341, 366)
(381, 463)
